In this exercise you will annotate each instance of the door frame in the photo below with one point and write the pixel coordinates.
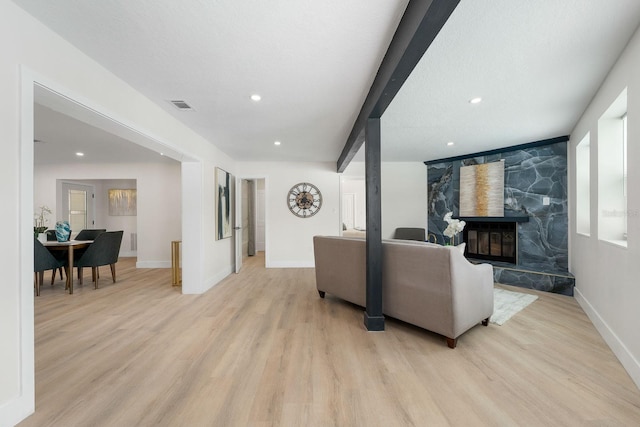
(91, 203)
(237, 238)
(24, 403)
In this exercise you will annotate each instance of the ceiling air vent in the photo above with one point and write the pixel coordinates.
(181, 105)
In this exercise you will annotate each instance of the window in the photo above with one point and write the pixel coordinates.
(583, 186)
(78, 209)
(612, 172)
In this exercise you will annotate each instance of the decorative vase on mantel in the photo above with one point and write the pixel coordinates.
(63, 231)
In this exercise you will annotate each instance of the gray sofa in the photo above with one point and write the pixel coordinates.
(428, 285)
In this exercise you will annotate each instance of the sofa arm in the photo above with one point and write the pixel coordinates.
(471, 293)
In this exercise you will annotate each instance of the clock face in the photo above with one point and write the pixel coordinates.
(304, 200)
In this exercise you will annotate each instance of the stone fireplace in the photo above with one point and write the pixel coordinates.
(531, 251)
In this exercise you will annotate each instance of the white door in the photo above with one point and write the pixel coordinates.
(77, 206)
(348, 210)
(237, 229)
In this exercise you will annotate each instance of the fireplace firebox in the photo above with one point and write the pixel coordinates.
(492, 241)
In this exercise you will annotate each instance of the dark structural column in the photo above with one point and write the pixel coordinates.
(419, 26)
(373, 318)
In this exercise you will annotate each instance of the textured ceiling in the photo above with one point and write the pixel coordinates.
(311, 61)
(536, 64)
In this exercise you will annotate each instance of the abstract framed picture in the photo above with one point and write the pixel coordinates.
(482, 190)
(223, 204)
(123, 202)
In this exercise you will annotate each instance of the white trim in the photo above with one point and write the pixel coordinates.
(618, 243)
(15, 410)
(152, 264)
(127, 254)
(623, 354)
(291, 264)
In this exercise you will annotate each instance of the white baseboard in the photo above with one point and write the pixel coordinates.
(127, 254)
(153, 264)
(16, 410)
(289, 264)
(212, 281)
(628, 361)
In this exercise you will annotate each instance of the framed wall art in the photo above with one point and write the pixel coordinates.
(482, 190)
(223, 204)
(123, 202)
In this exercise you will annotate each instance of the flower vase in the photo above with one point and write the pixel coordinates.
(42, 237)
(63, 231)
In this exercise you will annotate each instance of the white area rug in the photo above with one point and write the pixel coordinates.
(508, 303)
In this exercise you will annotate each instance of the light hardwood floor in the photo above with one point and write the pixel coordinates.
(262, 349)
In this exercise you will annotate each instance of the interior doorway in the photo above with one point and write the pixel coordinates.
(353, 209)
(252, 227)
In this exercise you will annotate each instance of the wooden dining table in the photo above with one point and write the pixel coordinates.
(69, 246)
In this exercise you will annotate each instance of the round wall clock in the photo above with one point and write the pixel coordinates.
(304, 200)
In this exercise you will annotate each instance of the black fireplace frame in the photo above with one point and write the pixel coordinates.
(501, 233)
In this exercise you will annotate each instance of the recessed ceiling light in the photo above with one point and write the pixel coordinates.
(79, 154)
(450, 143)
(277, 143)
(255, 97)
(475, 100)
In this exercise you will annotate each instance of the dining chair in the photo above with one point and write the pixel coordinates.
(51, 235)
(61, 255)
(103, 251)
(43, 260)
(90, 233)
(87, 234)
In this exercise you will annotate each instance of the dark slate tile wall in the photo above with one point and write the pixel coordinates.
(530, 175)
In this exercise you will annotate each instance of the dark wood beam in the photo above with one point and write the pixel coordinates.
(419, 26)
(373, 318)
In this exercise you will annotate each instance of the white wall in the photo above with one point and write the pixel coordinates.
(159, 199)
(289, 239)
(607, 275)
(129, 223)
(31, 53)
(404, 194)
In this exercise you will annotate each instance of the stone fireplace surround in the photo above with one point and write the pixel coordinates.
(533, 172)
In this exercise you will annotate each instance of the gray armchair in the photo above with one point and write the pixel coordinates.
(408, 233)
(103, 251)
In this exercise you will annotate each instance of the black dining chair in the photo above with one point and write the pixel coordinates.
(87, 234)
(43, 260)
(51, 235)
(90, 233)
(103, 251)
(60, 255)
